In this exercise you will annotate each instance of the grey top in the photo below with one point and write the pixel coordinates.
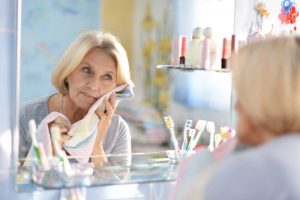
(270, 171)
(116, 141)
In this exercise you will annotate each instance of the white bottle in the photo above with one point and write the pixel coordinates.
(208, 55)
(194, 48)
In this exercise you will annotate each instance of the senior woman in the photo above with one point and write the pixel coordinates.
(94, 64)
(266, 77)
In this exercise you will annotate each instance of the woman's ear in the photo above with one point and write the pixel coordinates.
(66, 83)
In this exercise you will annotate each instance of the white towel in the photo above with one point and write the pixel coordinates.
(83, 132)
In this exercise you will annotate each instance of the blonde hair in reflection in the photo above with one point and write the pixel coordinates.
(78, 50)
(266, 78)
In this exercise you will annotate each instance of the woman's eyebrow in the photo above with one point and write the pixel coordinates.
(110, 72)
(86, 63)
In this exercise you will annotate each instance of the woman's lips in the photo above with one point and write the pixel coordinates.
(90, 97)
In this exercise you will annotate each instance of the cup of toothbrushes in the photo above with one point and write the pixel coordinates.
(176, 156)
(56, 177)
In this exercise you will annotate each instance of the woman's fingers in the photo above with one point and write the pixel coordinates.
(108, 108)
(112, 101)
(62, 127)
(65, 137)
(100, 114)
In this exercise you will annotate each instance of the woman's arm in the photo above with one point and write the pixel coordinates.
(98, 155)
(122, 145)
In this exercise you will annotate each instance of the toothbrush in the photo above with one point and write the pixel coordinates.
(187, 126)
(210, 128)
(44, 160)
(32, 132)
(218, 139)
(192, 133)
(200, 126)
(170, 125)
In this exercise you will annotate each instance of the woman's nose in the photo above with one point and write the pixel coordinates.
(94, 85)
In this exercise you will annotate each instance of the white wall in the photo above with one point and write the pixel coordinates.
(217, 14)
(246, 15)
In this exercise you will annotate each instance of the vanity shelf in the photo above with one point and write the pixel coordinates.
(185, 67)
(144, 168)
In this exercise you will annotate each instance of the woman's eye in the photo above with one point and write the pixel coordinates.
(107, 77)
(87, 70)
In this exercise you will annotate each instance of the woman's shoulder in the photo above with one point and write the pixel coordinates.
(36, 108)
(118, 118)
(257, 158)
(258, 169)
(118, 125)
(36, 102)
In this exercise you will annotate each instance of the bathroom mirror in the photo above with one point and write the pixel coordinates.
(146, 28)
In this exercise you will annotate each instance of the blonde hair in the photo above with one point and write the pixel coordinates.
(80, 47)
(266, 77)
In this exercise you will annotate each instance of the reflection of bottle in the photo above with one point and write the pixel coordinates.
(194, 50)
(209, 49)
(182, 50)
(206, 54)
(224, 54)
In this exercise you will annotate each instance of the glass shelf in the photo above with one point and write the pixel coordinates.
(144, 168)
(186, 67)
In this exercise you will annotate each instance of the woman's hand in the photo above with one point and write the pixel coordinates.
(64, 129)
(103, 125)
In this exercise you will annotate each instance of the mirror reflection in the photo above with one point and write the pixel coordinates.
(145, 168)
(75, 79)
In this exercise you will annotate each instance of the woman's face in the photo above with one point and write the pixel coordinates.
(95, 76)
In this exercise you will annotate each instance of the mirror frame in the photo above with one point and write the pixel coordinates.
(16, 94)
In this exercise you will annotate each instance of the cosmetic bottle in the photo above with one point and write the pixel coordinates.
(208, 49)
(194, 50)
(224, 54)
(182, 51)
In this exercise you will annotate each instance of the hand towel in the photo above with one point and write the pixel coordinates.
(83, 132)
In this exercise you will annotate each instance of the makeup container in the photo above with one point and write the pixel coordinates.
(224, 54)
(182, 50)
(206, 54)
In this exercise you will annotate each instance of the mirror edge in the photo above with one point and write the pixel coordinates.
(16, 94)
